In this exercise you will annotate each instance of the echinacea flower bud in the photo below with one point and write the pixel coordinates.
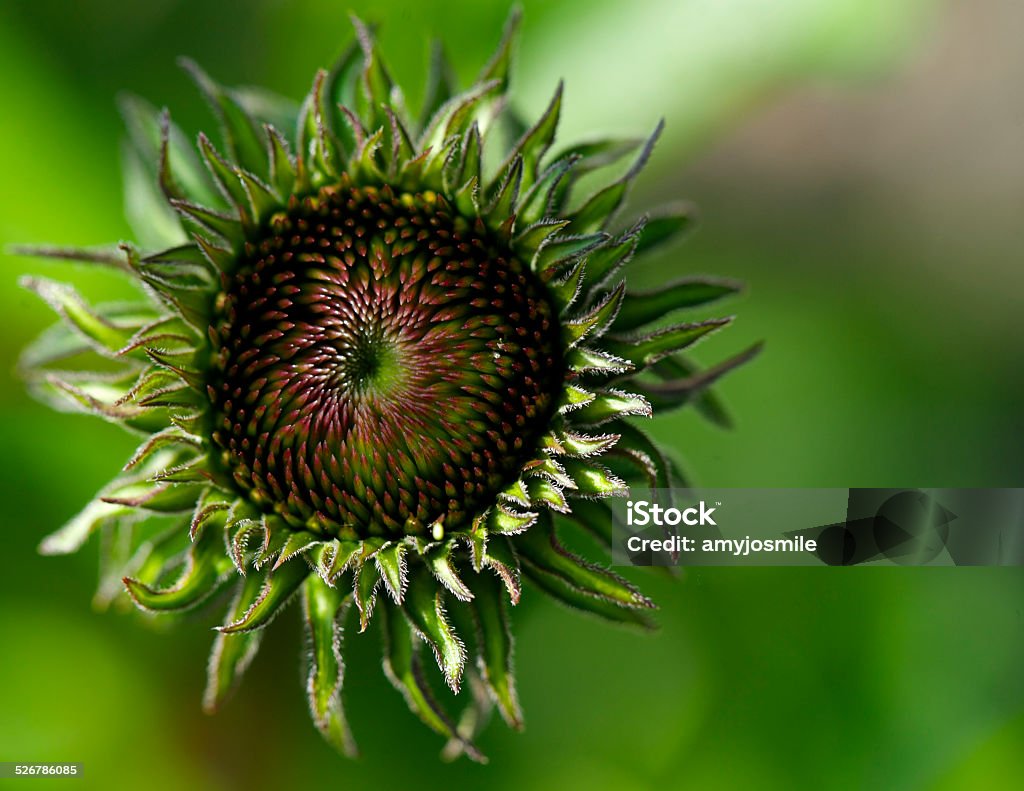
(378, 363)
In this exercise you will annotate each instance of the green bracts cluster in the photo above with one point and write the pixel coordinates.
(378, 362)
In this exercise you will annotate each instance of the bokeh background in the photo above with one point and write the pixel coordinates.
(860, 163)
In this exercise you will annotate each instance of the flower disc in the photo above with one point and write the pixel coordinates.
(381, 364)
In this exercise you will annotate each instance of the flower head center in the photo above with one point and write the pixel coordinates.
(380, 364)
(370, 361)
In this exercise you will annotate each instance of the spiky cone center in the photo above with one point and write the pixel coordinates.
(380, 364)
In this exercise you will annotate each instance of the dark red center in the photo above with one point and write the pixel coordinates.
(380, 364)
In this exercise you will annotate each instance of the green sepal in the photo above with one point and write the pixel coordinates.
(534, 144)
(393, 568)
(243, 524)
(188, 375)
(152, 385)
(502, 521)
(546, 556)
(117, 257)
(467, 199)
(425, 610)
(157, 554)
(597, 212)
(277, 590)
(564, 292)
(592, 361)
(583, 445)
(221, 257)
(397, 145)
(572, 398)
(531, 239)
(475, 539)
(176, 398)
(159, 142)
(166, 498)
(471, 166)
(103, 335)
(276, 535)
(171, 334)
(57, 342)
(366, 579)
(323, 610)
(341, 89)
(601, 207)
(454, 119)
(438, 557)
(546, 493)
(241, 133)
(263, 202)
(196, 470)
(592, 480)
(207, 220)
(435, 164)
(187, 259)
(494, 648)
(501, 558)
(98, 398)
(124, 548)
(646, 350)
(472, 720)
(571, 596)
(145, 206)
(282, 164)
(497, 69)
(693, 386)
(597, 154)
(549, 468)
(75, 532)
(404, 670)
(538, 201)
(612, 404)
(354, 131)
(606, 261)
(319, 157)
(334, 558)
(193, 304)
(596, 321)
(516, 493)
(558, 253)
(643, 308)
(206, 568)
(171, 437)
(502, 206)
(233, 653)
(210, 508)
(638, 448)
(364, 165)
(225, 178)
(191, 422)
(299, 542)
(376, 82)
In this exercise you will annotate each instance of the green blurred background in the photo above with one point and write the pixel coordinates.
(859, 163)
